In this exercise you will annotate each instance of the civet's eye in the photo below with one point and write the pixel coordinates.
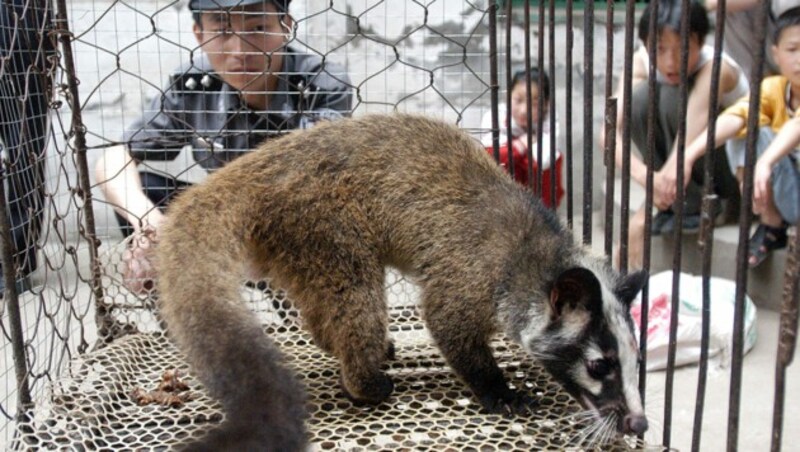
(598, 368)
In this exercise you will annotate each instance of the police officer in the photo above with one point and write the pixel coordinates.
(247, 85)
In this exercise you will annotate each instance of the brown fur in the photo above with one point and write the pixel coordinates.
(323, 212)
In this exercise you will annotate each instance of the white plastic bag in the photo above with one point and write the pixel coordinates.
(723, 297)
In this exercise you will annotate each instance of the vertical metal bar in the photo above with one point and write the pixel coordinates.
(610, 132)
(609, 48)
(787, 336)
(509, 79)
(625, 171)
(38, 14)
(611, 146)
(588, 106)
(11, 298)
(679, 214)
(493, 79)
(78, 130)
(706, 242)
(538, 189)
(553, 117)
(706, 239)
(744, 230)
(528, 100)
(568, 122)
(652, 111)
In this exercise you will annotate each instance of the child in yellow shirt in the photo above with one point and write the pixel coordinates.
(776, 191)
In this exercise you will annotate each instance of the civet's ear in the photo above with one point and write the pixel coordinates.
(576, 288)
(629, 286)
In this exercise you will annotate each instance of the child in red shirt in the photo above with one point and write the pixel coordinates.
(522, 152)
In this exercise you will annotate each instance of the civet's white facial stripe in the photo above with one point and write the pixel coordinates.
(627, 353)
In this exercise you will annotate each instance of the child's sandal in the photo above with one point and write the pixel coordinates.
(765, 240)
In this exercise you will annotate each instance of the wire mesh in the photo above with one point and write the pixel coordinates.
(93, 404)
(29, 91)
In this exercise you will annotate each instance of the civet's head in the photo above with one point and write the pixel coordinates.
(588, 343)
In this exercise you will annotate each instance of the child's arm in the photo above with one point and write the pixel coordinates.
(638, 168)
(732, 6)
(698, 105)
(727, 127)
(666, 180)
(785, 142)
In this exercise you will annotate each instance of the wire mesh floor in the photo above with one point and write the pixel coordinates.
(91, 405)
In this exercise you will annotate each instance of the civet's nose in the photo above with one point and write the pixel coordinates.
(635, 424)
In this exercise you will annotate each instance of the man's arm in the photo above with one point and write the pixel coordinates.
(159, 135)
(118, 178)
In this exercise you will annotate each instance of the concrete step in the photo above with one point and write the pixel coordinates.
(764, 284)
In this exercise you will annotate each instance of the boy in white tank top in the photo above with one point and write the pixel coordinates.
(733, 84)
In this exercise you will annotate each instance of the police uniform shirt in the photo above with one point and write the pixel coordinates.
(198, 109)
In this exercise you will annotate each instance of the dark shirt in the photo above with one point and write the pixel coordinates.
(197, 108)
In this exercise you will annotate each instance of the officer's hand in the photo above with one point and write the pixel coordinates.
(139, 272)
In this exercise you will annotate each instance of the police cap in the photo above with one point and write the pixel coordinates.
(200, 5)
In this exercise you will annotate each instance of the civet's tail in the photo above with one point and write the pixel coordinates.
(199, 280)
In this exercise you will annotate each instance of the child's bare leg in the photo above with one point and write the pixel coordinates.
(771, 235)
(635, 241)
